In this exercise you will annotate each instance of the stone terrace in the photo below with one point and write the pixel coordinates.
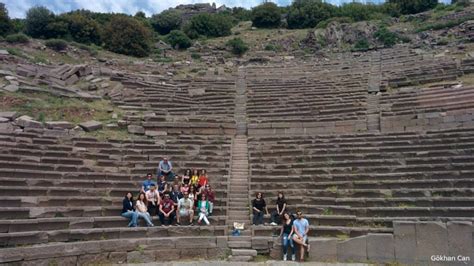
(203, 106)
(355, 184)
(62, 190)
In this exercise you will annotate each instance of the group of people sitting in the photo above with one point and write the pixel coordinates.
(172, 196)
(293, 229)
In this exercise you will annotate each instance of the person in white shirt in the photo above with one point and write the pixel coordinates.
(185, 209)
(153, 198)
(142, 210)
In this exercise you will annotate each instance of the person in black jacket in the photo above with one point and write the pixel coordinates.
(128, 211)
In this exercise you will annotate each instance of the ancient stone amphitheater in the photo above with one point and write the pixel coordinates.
(376, 149)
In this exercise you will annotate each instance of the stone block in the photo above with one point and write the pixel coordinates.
(460, 239)
(155, 133)
(134, 129)
(430, 240)
(195, 242)
(380, 248)
(11, 88)
(353, 249)
(167, 254)
(59, 124)
(141, 256)
(323, 249)
(260, 243)
(88, 259)
(117, 257)
(26, 121)
(221, 241)
(405, 241)
(196, 92)
(9, 115)
(193, 253)
(70, 260)
(91, 125)
(4, 120)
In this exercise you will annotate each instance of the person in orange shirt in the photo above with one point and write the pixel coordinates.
(203, 180)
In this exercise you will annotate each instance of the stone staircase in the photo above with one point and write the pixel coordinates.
(238, 200)
(373, 112)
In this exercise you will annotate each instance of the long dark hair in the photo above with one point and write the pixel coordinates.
(188, 172)
(144, 198)
(126, 194)
(282, 195)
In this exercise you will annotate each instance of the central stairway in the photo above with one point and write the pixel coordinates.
(238, 201)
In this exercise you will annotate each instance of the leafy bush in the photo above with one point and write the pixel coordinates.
(17, 38)
(362, 45)
(166, 21)
(6, 25)
(266, 15)
(414, 6)
(308, 13)
(209, 25)
(386, 37)
(126, 35)
(56, 44)
(37, 21)
(241, 14)
(195, 56)
(360, 12)
(444, 25)
(178, 39)
(238, 47)
(82, 28)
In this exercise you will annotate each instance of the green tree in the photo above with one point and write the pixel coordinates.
(37, 21)
(6, 25)
(266, 15)
(238, 46)
(414, 6)
(126, 35)
(178, 39)
(209, 25)
(82, 28)
(308, 13)
(166, 21)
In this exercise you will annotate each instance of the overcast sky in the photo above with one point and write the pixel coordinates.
(18, 8)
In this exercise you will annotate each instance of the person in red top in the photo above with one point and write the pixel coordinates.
(166, 211)
(210, 197)
(203, 180)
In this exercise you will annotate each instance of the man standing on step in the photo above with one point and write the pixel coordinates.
(301, 228)
(165, 168)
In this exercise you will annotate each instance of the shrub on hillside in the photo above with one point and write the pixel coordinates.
(126, 35)
(237, 46)
(360, 12)
(414, 6)
(308, 13)
(56, 44)
(17, 38)
(37, 21)
(266, 15)
(209, 25)
(82, 28)
(361, 45)
(178, 39)
(386, 37)
(166, 21)
(6, 25)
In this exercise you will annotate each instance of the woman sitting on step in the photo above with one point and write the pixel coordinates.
(286, 236)
(128, 210)
(258, 208)
(142, 209)
(203, 207)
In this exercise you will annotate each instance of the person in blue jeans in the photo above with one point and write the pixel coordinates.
(128, 211)
(286, 236)
(165, 168)
(258, 208)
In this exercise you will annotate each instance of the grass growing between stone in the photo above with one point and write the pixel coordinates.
(44, 107)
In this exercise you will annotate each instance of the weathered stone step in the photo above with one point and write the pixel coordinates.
(239, 244)
(244, 252)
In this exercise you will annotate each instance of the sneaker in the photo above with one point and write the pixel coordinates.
(284, 257)
(178, 223)
(293, 257)
(273, 223)
(191, 224)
